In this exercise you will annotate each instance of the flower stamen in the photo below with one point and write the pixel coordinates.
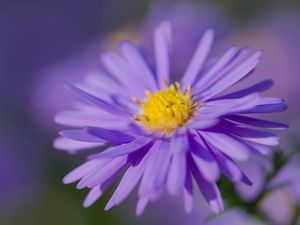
(166, 110)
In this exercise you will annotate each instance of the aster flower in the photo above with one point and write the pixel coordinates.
(164, 133)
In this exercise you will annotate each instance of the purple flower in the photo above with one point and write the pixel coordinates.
(164, 133)
(279, 197)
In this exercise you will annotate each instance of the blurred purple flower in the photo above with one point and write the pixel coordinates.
(256, 169)
(175, 132)
(281, 195)
(235, 216)
(280, 204)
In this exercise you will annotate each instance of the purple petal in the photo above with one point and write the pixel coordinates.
(256, 169)
(202, 122)
(162, 46)
(177, 173)
(269, 105)
(96, 192)
(96, 118)
(238, 58)
(104, 173)
(138, 63)
(188, 193)
(127, 148)
(128, 182)
(269, 141)
(209, 190)
(243, 131)
(257, 136)
(104, 83)
(176, 177)
(227, 144)
(73, 146)
(198, 60)
(257, 122)
(259, 87)
(143, 201)
(230, 106)
(179, 142)
(261, 149)
(208, 77)
(141, 205)
(81, 135)
(233, 76)
(230, 169)
(112, 136)
(203, 159)
(89, 173)
(156, 169)
(82, 170)
(123, 73)
(98, 102)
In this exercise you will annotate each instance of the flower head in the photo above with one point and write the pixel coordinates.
(164, 133)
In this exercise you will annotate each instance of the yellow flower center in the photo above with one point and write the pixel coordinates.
(166, 110)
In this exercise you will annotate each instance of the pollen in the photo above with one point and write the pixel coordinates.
(166, 110)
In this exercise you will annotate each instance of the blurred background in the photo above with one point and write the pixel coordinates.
(46, 43)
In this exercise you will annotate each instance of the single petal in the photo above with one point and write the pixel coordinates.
(209, 190)
(111, 136)
(227, 144)
(162, 47)
(141, 205)
(179, 142)
(257, 122)
(81, 135)
(177, 173)
(269, 105)
(188, 193)
(96, 192)
(198, 61)
(203, 159)
(202, 122)
(156, 169)
(93, 195)
(258, 87)
(124, 149)
(96, 118)
(74, 146)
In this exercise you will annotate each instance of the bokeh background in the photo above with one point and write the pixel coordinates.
(46, 43)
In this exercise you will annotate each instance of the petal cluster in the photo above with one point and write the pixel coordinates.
(208, 145)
